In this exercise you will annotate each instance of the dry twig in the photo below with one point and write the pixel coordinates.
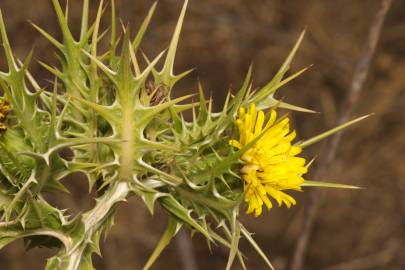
(186, 251)
(356, 87)
(379, 259)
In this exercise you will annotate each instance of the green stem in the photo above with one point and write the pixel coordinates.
(93, 221)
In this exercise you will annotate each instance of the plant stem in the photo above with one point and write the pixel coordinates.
(93, 221)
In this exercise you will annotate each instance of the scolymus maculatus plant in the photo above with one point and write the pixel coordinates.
(129, 137)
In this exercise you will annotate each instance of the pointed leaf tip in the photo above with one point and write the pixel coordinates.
(143, 28)
(167, 70)
(171, 230)
(309, 183)
(332, 131)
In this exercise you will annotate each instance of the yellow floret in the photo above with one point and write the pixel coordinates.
(271, 165)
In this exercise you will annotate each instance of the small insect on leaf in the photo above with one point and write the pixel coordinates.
(157, 93)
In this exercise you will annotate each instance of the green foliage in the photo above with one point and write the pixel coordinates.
(128, 135)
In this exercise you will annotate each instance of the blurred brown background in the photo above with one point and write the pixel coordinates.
(363, 229)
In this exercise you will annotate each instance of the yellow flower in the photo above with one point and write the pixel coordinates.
(4, 110)
(271, 165)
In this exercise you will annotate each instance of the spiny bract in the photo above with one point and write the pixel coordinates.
(129, 137)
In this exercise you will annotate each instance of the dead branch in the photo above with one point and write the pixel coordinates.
(185, 251)
(379, 259)
(356, 87)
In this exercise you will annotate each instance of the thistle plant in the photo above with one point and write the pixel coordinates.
(130, 138)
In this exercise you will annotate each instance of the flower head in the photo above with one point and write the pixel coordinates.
(271, 165)
(4, 110)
